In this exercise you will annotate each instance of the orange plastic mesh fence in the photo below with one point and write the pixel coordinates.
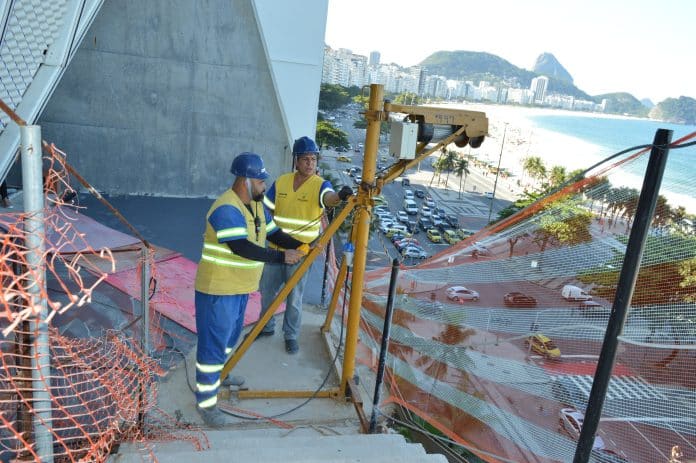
(101, 384)
(496, 339)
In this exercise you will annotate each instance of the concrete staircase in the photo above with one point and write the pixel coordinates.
(307, 445)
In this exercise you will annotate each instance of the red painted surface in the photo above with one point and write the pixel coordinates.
(174, 295)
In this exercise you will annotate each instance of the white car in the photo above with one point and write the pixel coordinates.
(429, 202)
(412, 251)
(425, 211)
(385, 226)
(571, 420)
(382, 213)
(402, 216)
(461, 294)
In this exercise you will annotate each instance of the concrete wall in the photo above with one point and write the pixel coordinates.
(293, 35)
(162, 94)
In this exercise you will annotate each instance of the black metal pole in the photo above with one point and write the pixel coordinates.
(624, 291)
(383, 349)
(322, 302)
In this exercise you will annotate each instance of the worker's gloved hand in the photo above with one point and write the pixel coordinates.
(344, 192)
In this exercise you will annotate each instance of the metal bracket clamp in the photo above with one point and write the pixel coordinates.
(376, 115)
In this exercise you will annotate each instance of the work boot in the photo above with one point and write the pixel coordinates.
(233, 381)
(291, 346)
(212, 416)
(262, 334)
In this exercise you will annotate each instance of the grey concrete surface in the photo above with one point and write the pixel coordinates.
(162, 94)
(266, 366)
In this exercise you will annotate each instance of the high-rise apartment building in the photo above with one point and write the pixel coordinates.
(539, 86)
(374, 58)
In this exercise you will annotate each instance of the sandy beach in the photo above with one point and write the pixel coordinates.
(524, 139)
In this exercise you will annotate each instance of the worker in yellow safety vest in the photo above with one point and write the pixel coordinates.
(297, 200)
(236, 228)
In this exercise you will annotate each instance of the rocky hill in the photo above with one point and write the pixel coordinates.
(680, 110)
(477, 66)
(624, 103)
(547, 65)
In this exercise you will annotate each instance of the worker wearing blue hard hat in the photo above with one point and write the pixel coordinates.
(236, 228)
(298, 200)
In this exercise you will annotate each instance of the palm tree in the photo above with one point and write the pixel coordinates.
(450, 162)
(596, 190)
(663, 213)
(438, 166)
(679, 218)
(557, 176)
(534, 167)
(461, 169)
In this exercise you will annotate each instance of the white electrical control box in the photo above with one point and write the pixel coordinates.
(403, 138)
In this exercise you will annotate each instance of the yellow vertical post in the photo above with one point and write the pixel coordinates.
(373, 116)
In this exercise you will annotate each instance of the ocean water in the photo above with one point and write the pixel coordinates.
(614, 134)
(611, 135)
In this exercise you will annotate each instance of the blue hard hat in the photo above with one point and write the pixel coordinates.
(304, 145)
(249, 165)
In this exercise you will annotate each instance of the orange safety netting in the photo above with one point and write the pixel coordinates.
(99, 388)
(505, 376)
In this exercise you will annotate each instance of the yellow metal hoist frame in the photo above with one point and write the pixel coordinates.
(467, 127)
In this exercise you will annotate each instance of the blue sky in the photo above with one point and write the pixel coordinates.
(646, 48)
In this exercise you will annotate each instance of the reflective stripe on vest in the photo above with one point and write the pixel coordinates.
(228, 232)
(298, 212)
(222, 255)
(220, 271)
(298, 227)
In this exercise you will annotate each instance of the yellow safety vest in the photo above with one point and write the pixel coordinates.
(220, 271)
(298, 213)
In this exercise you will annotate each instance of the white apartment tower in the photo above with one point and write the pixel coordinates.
(374, 58)
(539, 86)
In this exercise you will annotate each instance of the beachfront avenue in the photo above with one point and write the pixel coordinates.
(471, 209)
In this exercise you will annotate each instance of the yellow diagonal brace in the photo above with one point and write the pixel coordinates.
(289, 285)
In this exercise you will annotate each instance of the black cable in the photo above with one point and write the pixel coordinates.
(316, 391)
(313, 396)
(443, 439)
(153, 284)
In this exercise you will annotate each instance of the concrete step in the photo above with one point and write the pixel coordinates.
(220, 440)
(372, 448)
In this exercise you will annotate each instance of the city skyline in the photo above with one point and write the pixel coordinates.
(633, 36)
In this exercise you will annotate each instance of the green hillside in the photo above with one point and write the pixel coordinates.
(623, 103)
(476, 66)
(680, 110)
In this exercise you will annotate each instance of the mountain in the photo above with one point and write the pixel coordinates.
(476, 66)
(547, 65)
(473, 65)
(680, 110)
(647, 102)
(623, 103)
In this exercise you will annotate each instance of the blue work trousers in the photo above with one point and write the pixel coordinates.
(272, 281)
(219, 321)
